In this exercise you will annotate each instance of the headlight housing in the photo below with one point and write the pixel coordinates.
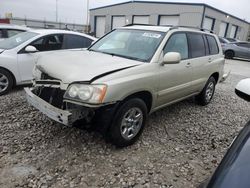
(93, 94)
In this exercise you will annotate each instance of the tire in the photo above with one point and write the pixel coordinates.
(6, 82)
(229, 54)
(206, 96)
(126, 127)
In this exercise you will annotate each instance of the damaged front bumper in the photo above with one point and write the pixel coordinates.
(66, 117)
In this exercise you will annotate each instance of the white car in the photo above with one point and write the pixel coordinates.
(19, 53)
(8, 30)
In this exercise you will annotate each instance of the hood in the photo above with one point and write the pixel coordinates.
(80, 66)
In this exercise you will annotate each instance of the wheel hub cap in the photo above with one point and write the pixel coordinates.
(131, 123)
(3, 82)
(209, 91)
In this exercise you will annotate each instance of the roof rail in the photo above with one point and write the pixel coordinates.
(132, 24)
(192, 27)
(172, 27)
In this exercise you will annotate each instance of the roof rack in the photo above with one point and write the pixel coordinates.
(172, 27)
(132, 24)
(192, 27)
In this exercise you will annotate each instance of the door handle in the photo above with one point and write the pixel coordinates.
(188, 65)
(210, 60)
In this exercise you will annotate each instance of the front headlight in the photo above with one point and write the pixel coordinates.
(86, 93)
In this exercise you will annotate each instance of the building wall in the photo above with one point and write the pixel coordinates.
(190, 15)
(221, 17)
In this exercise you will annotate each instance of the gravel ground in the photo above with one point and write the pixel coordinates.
(181, 146)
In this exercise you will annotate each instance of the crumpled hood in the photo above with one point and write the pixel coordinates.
(77, 66)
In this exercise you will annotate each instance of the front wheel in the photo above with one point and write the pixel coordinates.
(128, 123)
(205, 97)
(6, 82)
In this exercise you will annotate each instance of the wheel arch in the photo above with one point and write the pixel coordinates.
(12, 75)
(146, 96)
(216, 76)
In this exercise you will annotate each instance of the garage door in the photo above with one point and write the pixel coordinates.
(208, 24)
(223, 29)
(233, 31)
(100, 26)
(169, 20)
(141, 19)
(118, 21)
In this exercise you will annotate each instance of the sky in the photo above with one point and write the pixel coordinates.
(75, 11)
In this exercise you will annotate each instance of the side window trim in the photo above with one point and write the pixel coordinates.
(178, 32)
(207, 49)
(217, 45)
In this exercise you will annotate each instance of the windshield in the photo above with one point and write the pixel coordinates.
(132, 44)
(16, 40)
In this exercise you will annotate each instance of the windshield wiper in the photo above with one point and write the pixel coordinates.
(128, 57)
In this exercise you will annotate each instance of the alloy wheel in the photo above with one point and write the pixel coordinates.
(131, 123)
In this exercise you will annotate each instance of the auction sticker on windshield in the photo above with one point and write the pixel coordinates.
(152, 35)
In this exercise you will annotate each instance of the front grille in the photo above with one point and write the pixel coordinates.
(54, 96)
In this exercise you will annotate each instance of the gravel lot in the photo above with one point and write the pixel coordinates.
(181, 146)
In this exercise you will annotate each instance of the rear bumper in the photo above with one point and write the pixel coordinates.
(58, 115)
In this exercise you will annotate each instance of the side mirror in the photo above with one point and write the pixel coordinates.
(243, 89)
(171, 58)
(31, 49)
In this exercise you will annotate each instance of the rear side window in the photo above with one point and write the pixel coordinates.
(12, 32)
(177, 43)
(74, 41)
(213, 46)
(2, 34)
(197, 45)
(245, 45)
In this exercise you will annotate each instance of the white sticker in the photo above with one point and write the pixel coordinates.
(18, 40)
(152, 35)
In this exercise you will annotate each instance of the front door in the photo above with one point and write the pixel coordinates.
(175, 79)
(26, 61)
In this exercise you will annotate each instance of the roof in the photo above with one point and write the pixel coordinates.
(173, 3)
(59, 31)
(11, 26)
(149, 28)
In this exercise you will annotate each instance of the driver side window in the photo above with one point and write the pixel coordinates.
(177, 43)
(48, 43)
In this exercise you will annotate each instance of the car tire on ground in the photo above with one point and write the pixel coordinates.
(205, 97)
(6, 82)
(229, 54)
(128, 122)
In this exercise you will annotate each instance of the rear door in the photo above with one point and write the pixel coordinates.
(242, 50)
(175, 79)
(200, 60)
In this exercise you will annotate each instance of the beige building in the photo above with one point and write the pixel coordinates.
(104, 19)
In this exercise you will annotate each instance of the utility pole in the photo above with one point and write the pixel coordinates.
(56, 10)
(87, 22)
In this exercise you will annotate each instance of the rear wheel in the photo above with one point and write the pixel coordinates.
(6, 82)
(205, 97)
(229, 54)
(128, 123)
